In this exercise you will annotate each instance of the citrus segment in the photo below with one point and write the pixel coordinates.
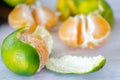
(44, 16)
(100, 22)
(46, 36)
(38, 43)
(21, 17)
(52, 17)
(69, 30)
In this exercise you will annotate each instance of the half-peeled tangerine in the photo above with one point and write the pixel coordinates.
(24, 52)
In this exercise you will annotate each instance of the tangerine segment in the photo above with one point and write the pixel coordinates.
(102, 26)
(80, 36)
(90, 31)
(21, 17)
(98, 30)
(68, 31)
(44, 16)
(38, 43)
(52, 17)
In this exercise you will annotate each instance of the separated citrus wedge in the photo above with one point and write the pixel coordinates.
(85, 31)
(24, 52)
(32, 15)
(75, 64)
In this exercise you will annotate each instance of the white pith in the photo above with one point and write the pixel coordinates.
(47, 38)
(88, 34)
(74, 64)
(40, 12)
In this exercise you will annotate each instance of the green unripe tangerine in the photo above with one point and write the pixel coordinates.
(86, 7)
(13, 3)
(19, 57)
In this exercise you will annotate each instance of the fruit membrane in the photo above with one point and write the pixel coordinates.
(85, 31)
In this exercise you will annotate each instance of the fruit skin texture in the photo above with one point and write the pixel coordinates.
(13, 3)
(96, 68)
(74, 7)
(18, 56)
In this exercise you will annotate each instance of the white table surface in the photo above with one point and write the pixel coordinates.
(111, 50)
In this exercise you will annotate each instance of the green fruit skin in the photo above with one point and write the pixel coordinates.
(98, 67)
(107, 13)
(64, 9)
(102, 63)
(85, 7)
(19, 57)
(13, 3)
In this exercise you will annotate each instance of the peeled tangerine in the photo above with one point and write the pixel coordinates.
(85, 31)
(25, 53)
(26, 15)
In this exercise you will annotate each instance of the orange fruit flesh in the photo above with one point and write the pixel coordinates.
(38, 43)
(68, 32)
(102, 27)
(23, 15)
(89, 32)
(45, 16)
(80, 38)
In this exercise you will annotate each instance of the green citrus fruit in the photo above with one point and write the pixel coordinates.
(75, 64)
(13, 3)
(74, 7)
(26, 53)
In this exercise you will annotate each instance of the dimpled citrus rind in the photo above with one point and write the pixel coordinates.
(19, 57)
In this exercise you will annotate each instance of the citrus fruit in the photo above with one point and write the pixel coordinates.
(74, 7)
(25, 53)
(13, 3)
(21, 16)
(85, 31)
(75, 64)
(44, 16)
(32, 15)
